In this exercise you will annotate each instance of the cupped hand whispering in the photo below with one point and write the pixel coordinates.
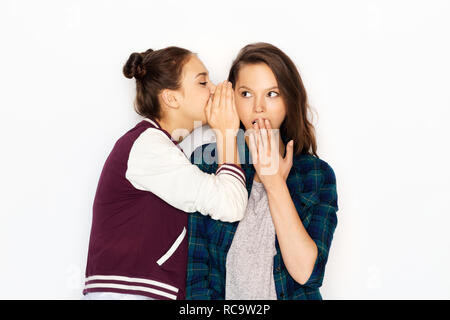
(221, 111)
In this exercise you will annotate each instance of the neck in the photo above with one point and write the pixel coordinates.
(178, 130)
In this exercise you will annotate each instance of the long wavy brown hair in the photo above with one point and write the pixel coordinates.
(296, 125)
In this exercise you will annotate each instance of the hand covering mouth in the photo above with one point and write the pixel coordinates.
(255, 120)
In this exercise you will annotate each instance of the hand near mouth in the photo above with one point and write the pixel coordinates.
(221, 111)
(267, 160)
(223, 118)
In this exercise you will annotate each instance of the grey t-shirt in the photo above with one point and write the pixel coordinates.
(249, 263)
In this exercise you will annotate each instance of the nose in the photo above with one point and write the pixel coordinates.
(212, 87)
(259, 105)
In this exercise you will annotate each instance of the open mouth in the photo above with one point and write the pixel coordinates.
(256, 120)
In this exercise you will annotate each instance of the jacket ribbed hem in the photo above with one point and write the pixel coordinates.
(140, 286)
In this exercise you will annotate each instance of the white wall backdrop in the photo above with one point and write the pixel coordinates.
(377, 74)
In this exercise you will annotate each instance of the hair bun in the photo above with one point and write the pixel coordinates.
(134, 67)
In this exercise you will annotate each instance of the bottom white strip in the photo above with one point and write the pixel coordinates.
(127, 287)
(128, 279)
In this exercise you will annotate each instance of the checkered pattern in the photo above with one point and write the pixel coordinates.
(312, 185)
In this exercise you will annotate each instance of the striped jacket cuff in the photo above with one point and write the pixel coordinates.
(233, 170)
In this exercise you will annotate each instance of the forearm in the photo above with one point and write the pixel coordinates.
(227, 151)
(298, 249)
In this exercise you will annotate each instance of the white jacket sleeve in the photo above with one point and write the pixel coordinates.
(155, 164)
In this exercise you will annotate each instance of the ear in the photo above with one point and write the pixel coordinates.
(170, 98)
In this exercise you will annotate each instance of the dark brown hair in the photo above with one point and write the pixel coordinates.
(296, 125)
(155, 70)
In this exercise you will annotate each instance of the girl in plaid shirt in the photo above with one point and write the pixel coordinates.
(280, 249)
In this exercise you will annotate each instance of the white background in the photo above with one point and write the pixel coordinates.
(377, 74)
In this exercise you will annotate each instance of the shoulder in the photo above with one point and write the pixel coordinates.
(156, 136)
(313, 170)
(153, 142)
(307, 162)
(139, 137)
(153, 150)
(316, 178)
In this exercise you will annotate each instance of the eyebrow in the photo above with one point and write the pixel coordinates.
(201, 74)
(244, 87)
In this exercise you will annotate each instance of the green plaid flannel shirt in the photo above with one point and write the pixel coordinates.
(312, 185)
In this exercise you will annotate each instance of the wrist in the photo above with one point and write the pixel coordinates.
(274, 184)
(223, 134)
(227, 149)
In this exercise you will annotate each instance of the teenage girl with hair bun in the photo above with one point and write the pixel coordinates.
(138, 243)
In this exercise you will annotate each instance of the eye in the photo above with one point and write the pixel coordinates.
(246, 94)
(273, 94)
